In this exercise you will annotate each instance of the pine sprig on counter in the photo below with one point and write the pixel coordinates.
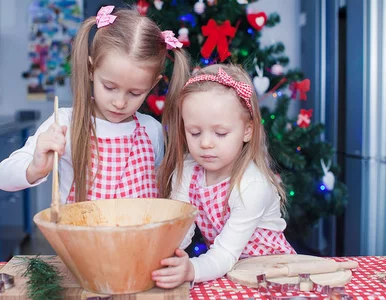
(43, 280)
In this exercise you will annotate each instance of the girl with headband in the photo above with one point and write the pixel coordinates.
(217, 159)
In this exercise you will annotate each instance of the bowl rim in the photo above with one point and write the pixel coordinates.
(48, 224)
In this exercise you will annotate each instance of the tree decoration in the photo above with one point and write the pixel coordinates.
(211, 2)
(277, 69)
(217, 37)
(257, 20)
(260, 82)
(183, 36)
(328, 178)
(156, 103)
(43, 279)
(195, 70)
(302, 87)
(158, 4)
(304, 118)
(242, 2)
(142, 7)
(199, 7)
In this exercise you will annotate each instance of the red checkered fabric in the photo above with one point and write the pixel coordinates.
(126, 168)
(366, 283)
(211, 219)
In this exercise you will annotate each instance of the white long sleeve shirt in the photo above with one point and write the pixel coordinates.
(255, 204)
(13, 169)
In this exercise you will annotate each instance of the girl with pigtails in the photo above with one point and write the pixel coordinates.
(107, 148)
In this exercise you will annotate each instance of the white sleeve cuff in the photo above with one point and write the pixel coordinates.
(193, 282)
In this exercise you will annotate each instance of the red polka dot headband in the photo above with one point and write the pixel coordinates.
(242, 89)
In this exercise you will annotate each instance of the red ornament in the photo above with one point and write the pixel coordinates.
(258, 20)
(301, 86)
(304, 118)
(142, 7)
(183, 36)
(217, 36)
(156, 104)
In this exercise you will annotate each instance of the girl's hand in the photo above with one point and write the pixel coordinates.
(180, 270)
(54, 139)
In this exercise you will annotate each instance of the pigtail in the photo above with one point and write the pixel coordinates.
(83, 110)
(173, 127)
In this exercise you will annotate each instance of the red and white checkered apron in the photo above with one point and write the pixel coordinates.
(211, 219)
(126, 167)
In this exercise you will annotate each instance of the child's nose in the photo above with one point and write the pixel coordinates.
(120, 102)
(206, 141)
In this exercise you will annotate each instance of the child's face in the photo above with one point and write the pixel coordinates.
(120, 87)
(216, 126)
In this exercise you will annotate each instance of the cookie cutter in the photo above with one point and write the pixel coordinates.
(6, 282)
(304, 284)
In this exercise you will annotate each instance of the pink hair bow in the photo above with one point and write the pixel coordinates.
(243, 90)
(170, 40)
(104, 16)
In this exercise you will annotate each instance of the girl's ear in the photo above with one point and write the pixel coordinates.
(248, 132)
(91, 73)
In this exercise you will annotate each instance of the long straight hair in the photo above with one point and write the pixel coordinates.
(255, 150)
(140, 39)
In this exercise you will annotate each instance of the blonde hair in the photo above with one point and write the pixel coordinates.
(140, 39)
(255, 150)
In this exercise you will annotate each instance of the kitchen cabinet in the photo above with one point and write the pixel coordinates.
(16, 208)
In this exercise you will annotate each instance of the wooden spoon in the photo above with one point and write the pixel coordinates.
(55, 203)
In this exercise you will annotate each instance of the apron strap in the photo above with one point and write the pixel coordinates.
(137, 124)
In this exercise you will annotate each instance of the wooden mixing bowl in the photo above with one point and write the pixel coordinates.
(112, 246)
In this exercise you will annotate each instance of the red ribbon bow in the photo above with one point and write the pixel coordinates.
(302, 87)
(243, 90)
(217, 36)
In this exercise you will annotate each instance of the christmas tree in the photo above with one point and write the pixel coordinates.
(225, 31)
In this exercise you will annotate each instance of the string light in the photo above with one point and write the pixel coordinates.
(322, 187)
(200, 248)
(250, 30)
(273, 117)
(188, 18)
(298, 149)
(292, 193)
(279, 93)
(262, 121)
(243, 52)
(274, 95)
(205, 61)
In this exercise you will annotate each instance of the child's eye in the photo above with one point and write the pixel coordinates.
(135, 95)
(195, 133)
(108, 88)
(221, 134)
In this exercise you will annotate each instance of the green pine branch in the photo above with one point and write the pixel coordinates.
(43, 279)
